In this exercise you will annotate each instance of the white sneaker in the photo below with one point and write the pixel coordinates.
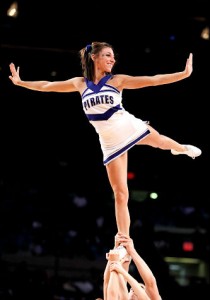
(191, 151)
(122, 251)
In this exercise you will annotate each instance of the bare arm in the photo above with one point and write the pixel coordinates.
(115, 285)
(134, 82)
(109, 256)
(138, 290)
(142, 267)
(70, 85)
(106, 279)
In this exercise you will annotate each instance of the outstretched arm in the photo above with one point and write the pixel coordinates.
(70, 85)
(116, 267)
(134, 82)
(106, 278)
(115, 285)
(142, 267)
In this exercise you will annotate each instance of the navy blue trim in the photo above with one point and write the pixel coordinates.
(85, 90)
(103, 91)
(96, 87)
(112, 88)
(105, 116)
(127, 147)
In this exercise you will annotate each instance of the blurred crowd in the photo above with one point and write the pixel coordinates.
(76, 231)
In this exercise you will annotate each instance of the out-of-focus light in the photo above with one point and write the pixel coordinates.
(205, 33)
(188, 246)
(131, 175)
(13, 10)
(153, 195)
(172, 37)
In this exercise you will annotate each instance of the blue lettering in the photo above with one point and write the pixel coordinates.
(103, 99)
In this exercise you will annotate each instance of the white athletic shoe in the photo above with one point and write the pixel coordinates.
(191, 151)
(122, 251)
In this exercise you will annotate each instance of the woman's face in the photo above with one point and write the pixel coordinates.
(104, 60)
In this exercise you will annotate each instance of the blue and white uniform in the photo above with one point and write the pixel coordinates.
(118, 130)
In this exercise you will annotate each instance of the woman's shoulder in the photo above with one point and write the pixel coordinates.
(117, 80)
(78, 81)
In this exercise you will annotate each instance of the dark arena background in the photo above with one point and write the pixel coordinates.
(56, 206)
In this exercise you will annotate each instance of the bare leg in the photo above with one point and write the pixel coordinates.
(157, 140)
(117, 174)
(163, 142)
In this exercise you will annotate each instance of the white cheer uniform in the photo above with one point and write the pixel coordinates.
(118, 130)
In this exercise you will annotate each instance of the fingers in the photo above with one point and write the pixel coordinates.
(114, 264)
(12, 68)
(120, 235)
(190, 58)
(124, 238)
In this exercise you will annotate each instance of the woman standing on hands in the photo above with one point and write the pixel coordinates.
(118, 130)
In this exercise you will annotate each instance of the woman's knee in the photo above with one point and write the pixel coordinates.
(121, 196)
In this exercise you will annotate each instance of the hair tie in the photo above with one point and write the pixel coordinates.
(88, 48)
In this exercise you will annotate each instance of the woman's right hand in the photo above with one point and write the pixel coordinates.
(14, 77)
